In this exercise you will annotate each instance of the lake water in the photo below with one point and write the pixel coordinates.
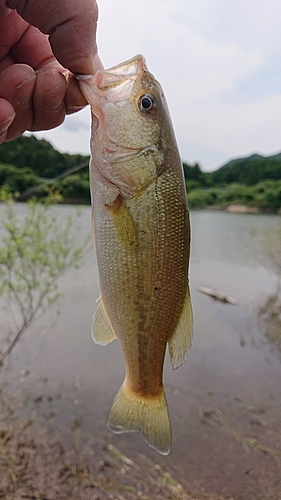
(225, 400)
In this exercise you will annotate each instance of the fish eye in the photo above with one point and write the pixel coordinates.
(146, 103)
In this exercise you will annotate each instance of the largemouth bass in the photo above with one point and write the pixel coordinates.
(142, 238)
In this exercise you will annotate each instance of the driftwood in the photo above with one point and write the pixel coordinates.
(220, 297)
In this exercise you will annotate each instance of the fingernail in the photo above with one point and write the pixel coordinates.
(97, 63)
(4, 124)
(24, 91)
(4, 127)
(4, 11)
(54, 99)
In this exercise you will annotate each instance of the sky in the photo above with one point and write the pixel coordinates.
(219, 63)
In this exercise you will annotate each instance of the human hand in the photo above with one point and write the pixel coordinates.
(43, 43)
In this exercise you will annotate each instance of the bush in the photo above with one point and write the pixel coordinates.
(199, 198)
(191, 185)
(36, 249)
(268, 195)
(238, 194)
(265, 195)
(18, 180)
(39, 155)
(74, 187)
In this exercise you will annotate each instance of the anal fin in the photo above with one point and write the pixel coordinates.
(102, 329)
(180, 341)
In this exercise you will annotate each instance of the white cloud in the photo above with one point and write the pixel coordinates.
(233, 130)
(218, 62)
(247, 127)
(71, 137)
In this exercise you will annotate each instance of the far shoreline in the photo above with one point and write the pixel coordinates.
(233, 208)
(238, 209)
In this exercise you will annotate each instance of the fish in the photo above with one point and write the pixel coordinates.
(141, 231)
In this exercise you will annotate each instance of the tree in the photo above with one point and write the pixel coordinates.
(39, 155)
(194, 173)
(17, 179)
(75, 187)
(198, 198)
(35, 250)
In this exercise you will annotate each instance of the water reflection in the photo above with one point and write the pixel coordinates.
(224, 401)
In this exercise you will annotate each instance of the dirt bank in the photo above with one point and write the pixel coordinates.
(39, 467)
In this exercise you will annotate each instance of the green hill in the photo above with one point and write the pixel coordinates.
(249, 171)
(254, 181)
(39, 156)
(28, 162)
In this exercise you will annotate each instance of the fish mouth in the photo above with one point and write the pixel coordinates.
(113, 84)
(130, 68)
(116, 83)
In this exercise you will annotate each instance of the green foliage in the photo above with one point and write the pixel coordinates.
(16, 179)
(252, 181)
(191, 185)
(193, 173)
(265, 195)
(268, 195)
(29, 162)
(36, 249)
(194, 176)
(198, 198)
(38, 155)
(237, 194)
(248, 171)
(74, 187)
(5, 195)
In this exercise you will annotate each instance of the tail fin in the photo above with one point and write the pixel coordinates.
(149, 416)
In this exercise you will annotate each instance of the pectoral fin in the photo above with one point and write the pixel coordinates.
(123, 222)
(180, 342)
(102, 330)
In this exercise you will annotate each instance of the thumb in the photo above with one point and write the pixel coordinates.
(71, 26)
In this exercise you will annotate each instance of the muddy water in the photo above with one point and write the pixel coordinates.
(225, 401)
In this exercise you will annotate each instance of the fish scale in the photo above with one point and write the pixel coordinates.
(142, 235)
